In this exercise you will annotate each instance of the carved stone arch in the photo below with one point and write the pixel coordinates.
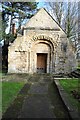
(48, 49)
(45, 38)
(44, 42)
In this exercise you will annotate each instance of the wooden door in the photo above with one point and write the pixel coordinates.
(41, 62)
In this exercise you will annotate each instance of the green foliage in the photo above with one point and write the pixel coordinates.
(70, 85)
(19, 10)
(9, 93)
(10, 37)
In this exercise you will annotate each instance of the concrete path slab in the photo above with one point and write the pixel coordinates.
(37, 103)
(38, 88)
(36, 106)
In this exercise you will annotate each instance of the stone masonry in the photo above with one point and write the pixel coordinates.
(42, 37)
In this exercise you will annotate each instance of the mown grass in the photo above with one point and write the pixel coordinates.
(70, 85)
(9, 93)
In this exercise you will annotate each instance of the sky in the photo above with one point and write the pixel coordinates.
(57, 0)
(42, 3)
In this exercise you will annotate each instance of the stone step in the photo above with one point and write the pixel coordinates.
(77, 72)
(69, 75)
(73, 75)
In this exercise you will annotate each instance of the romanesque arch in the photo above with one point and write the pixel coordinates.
(42, 55)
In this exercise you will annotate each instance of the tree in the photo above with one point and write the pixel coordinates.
(11, 11)
(57, 10)
(78, 46)
(71, 24)
(16, 10)
(71, 19)
(66, 15)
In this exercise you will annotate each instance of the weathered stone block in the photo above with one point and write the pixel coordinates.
(42, 36)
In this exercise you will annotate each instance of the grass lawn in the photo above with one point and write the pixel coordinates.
(9, 93)
(70, 85)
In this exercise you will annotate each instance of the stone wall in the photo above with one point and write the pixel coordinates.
(22, 53)
(41, 35)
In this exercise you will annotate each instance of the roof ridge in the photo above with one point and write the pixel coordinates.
(54, 20)
(49, 15)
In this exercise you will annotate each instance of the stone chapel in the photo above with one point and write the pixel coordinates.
(42, 47)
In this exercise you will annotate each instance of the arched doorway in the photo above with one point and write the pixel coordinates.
(42, 57)
(42, 54)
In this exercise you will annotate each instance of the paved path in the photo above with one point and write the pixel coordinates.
(39, 98)
(37, 103)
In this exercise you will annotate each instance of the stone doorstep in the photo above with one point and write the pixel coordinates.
(72, 112)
